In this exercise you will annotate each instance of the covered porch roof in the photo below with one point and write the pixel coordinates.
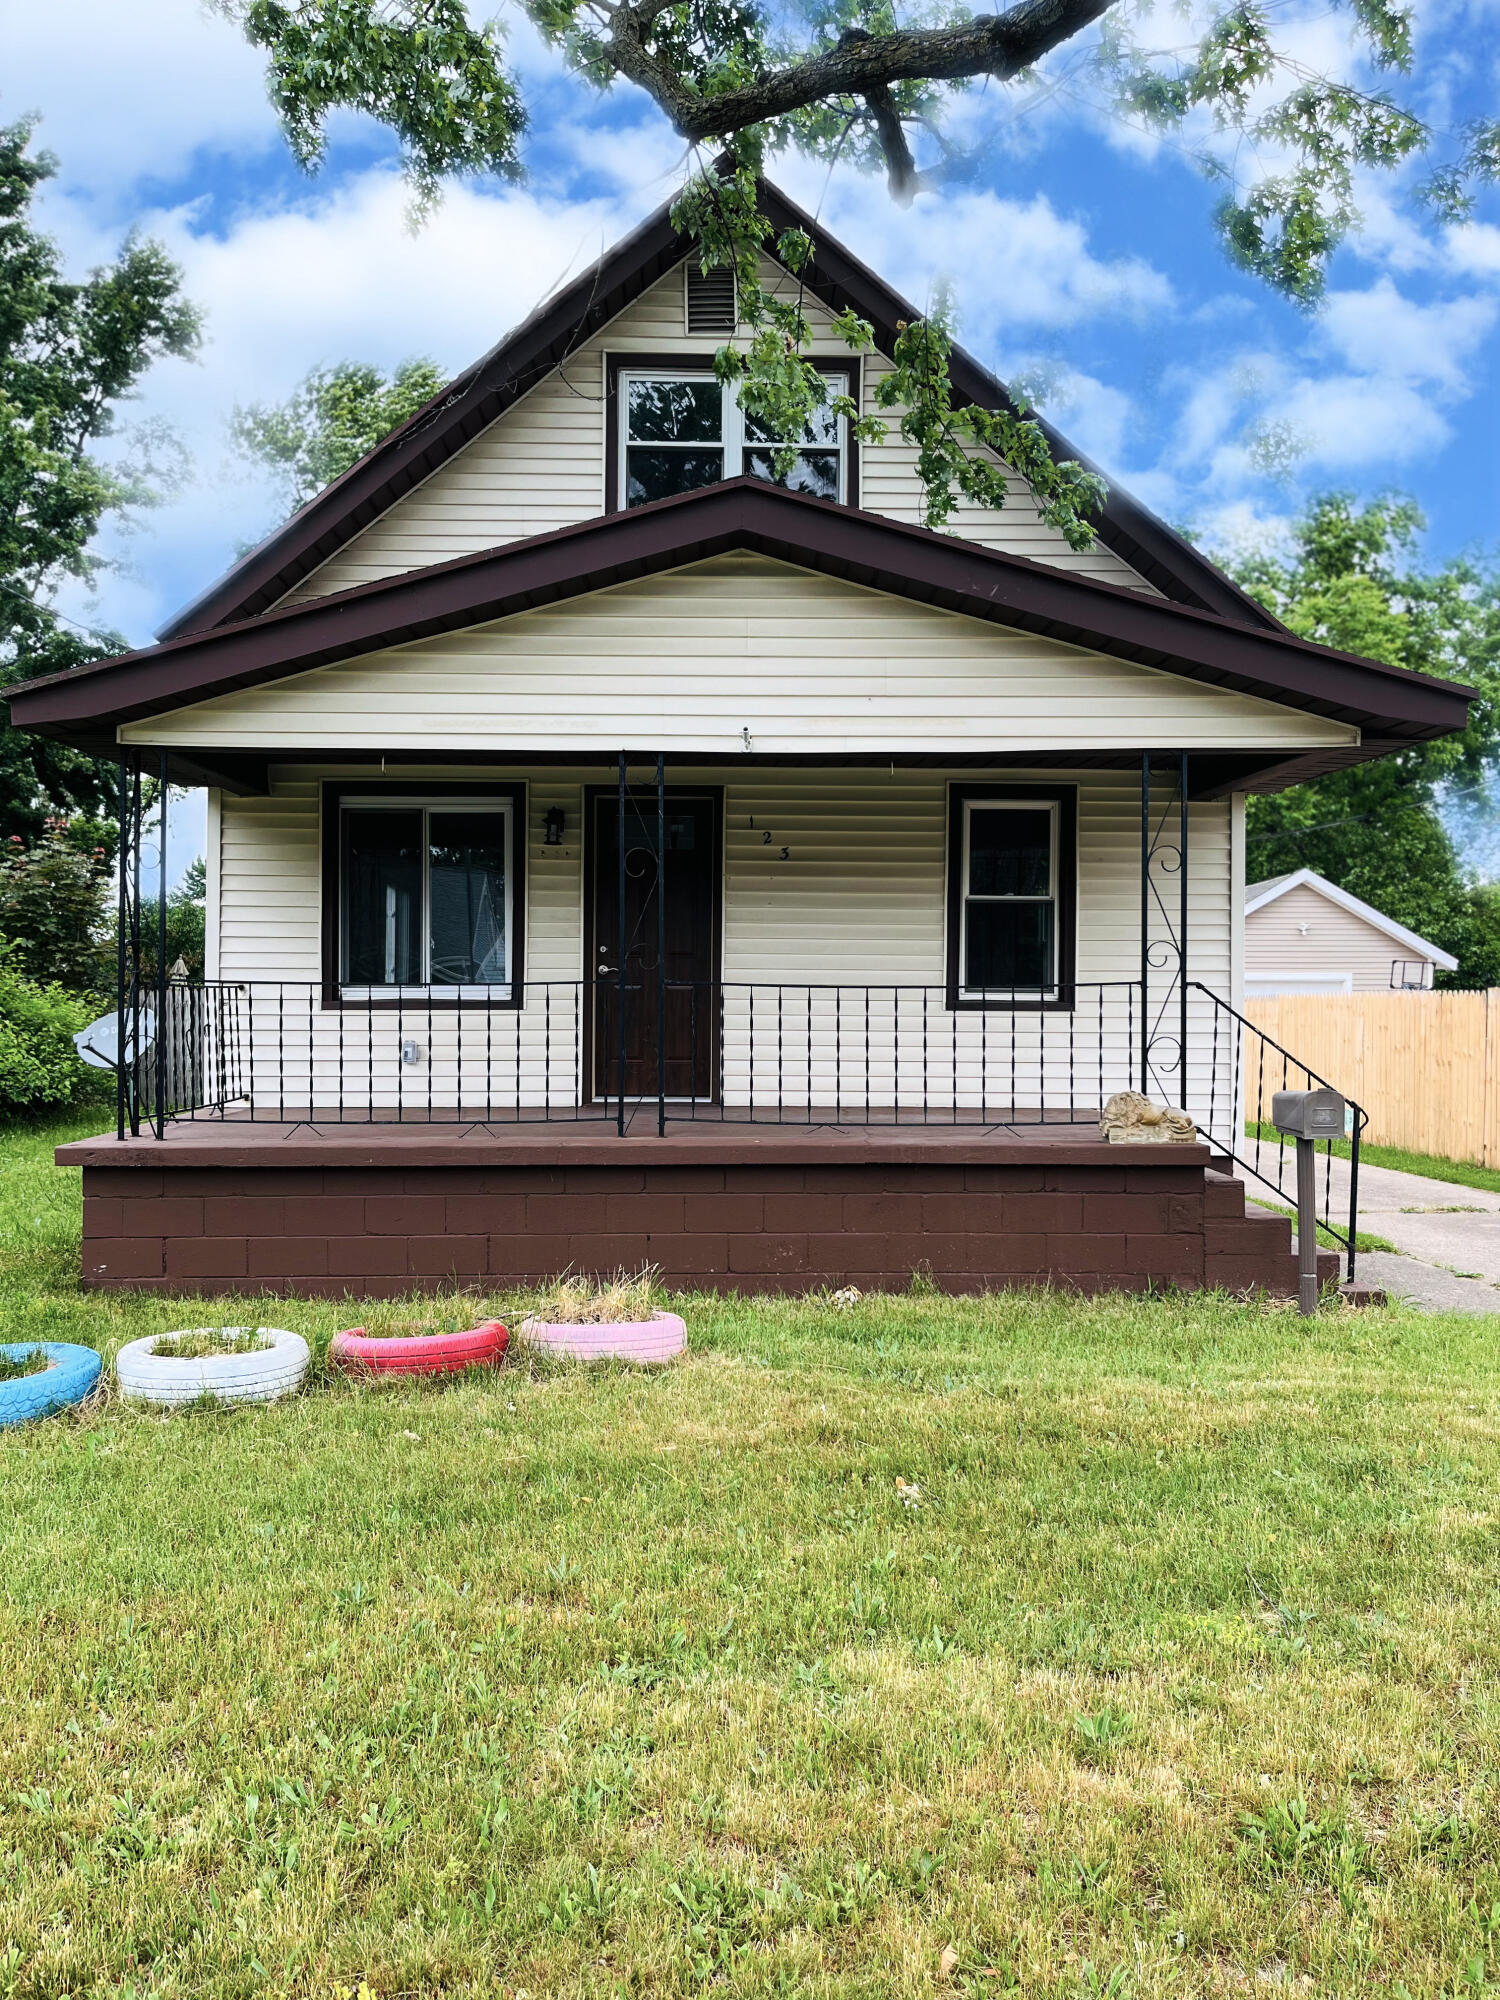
(1389, 706)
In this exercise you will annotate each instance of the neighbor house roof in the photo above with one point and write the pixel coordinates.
(483, 392)
(1260, 895)
(1389, 705)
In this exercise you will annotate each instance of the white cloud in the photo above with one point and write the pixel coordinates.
(132, 90)
(336, 276)
(1017, 266)
(1352, 423)
(1387, 334)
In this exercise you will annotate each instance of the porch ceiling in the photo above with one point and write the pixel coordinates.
(1388, 705)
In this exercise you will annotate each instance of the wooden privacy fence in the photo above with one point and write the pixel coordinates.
(1425, 1066)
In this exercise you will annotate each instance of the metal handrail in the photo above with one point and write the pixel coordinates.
(1241, 1037)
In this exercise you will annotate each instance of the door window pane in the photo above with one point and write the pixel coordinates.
(382, 898)
(466, 891)
(1008, 947)
(1010, 851)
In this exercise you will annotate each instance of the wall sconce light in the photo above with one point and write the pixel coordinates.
(553, 825)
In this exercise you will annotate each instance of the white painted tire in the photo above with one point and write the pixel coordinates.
(263, 1375)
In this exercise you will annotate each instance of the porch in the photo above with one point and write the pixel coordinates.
(661, 1103)
(385, 1208)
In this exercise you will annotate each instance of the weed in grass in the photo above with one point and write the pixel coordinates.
(579, 1301)
(1103, 1731)
(200, 1342)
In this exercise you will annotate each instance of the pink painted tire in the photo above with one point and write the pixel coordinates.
(419, 1353)
(660, 1338)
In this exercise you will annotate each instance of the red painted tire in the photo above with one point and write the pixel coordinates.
(420, 1353)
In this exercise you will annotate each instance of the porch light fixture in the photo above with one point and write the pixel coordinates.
(554, 822)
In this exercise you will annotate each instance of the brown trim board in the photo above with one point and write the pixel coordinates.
(743, 514)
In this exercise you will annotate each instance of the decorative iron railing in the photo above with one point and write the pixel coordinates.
(732, 1051)
(729, 1052)
(1243, 1069)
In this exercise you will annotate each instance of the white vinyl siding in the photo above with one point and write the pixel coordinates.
(689, 661)
(1278, 953)
(540, 465)
(858, 900)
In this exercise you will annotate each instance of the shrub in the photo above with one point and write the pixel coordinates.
(39, 1067)
(52, 897)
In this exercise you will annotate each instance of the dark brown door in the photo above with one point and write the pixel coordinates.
(678, 1004)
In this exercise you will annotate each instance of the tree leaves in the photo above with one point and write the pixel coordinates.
(70, 352)
(1353, 581)
(333, 417)
(417, 66)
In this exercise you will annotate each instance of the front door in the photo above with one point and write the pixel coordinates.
(680, 1010)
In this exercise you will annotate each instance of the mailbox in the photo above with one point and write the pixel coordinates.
(1308, 1114)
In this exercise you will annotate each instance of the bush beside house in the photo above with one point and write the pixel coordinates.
(53, 964)
(39, 1066)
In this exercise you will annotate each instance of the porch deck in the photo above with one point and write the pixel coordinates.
(387, 1208)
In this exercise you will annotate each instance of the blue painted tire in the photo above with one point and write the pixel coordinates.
(73, 1373)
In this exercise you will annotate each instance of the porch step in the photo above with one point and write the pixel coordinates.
(1250, 1251)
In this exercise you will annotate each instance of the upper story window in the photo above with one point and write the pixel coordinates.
(679, 431)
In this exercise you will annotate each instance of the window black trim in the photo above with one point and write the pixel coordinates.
(702, 364)
(1066, 799)
(332, 797)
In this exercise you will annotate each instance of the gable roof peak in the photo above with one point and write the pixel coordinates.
(583, 306)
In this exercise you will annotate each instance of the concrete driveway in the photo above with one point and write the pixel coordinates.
(1449, 1237)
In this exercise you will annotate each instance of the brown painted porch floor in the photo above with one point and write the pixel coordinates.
(592, 1141)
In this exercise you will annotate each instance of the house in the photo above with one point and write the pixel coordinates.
(615, 856)
(1304, 935)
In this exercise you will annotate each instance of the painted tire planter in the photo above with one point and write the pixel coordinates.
(660, 1338)
(420, 1353)
(261, 1376)
(68, 1377)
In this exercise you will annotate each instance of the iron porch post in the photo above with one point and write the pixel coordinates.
(1182, 941)
(661, 945)
(120, 920)
(135, 952)
(161, 955)
(620, 968)
(1145, 921)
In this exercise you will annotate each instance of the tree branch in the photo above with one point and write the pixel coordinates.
(998, 45)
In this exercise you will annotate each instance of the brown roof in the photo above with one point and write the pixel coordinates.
(473, 401)
(1389, 705)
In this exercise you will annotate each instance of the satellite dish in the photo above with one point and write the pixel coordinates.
(99, 1043)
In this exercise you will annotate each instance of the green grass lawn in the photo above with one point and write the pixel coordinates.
(1177, 1676)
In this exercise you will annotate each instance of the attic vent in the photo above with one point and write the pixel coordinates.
(710, 301)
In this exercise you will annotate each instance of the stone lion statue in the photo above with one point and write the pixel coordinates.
(1131, 1119)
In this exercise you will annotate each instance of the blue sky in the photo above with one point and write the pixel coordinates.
(1079, 245)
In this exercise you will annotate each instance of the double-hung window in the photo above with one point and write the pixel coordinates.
(426, 897)
(1011, 864)
(682, 430)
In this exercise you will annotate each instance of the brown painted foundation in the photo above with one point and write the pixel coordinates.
(392, 1210)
